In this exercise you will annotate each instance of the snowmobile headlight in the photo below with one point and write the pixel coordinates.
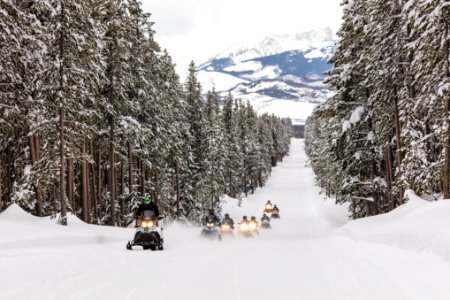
(243, 227)
(150, 224)
(144, 224)
(226, 227)
(210, 225)
(252, 225)
(268, 206)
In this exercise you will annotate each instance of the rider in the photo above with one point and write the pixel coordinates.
(253, 220)
(265, 218)
(211, 217)
(275, 209)
(244, 220)
(147, 204)
(228, 220)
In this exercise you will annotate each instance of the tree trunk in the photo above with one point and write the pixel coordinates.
(177, 184)
(94, 185)
(388, 157)
(142, 178)
(445, 185)
(399, 146)
(62, 184)
(62, 170)
(99, 174)
(37, 151)
(9, 173)
(446, 174)
(130, 169)
(231, 185)
(122, 187)
(112, 175)
(34, 159)
(84, 184)
(70, 184)
(157, 187)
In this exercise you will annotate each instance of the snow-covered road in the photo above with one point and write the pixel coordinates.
(305, 256)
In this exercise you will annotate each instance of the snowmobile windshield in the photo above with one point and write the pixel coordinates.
(211, 219)
(148, 214)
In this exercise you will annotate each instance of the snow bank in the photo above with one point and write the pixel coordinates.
(15, 212)
(418, 225)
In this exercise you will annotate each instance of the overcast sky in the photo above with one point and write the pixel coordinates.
(199, 29)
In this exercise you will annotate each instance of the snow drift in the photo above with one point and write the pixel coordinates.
(419, 225)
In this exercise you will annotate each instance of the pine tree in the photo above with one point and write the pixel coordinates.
(212, 181)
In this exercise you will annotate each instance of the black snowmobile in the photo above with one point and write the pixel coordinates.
(226, 228)
(265, 223)
(275, 213)
(147, 234)
(210, 228)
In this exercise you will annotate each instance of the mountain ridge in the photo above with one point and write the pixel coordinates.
(282, 74)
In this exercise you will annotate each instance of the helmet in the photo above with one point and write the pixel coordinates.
(227, 215)
(268, 201)
(244, 217)
(264, 215)
(147, 199)
(253, 218)
(211, 211)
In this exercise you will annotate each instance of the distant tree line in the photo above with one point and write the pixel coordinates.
(93, 116)
(386, 129)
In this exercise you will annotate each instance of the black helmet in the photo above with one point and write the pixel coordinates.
(244, 217)
(227, 215)
(264, 215)
(253, 218)
(211, 211)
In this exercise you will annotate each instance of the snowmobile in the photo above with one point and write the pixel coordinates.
(210, 229)
(226, 229)
(253, 226)
(244, 230)
(266, 224)
(275, 215)
(147, 235)
(268, 208)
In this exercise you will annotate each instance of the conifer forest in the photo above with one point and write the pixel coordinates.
(93, 116)
(386, 128)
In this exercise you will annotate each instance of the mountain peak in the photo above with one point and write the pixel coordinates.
(278, 43)
(281, 74)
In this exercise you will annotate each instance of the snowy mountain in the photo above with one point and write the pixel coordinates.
(280, 74)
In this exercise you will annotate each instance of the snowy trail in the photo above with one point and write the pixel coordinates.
(302, 257)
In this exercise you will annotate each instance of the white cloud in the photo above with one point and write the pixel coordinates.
(198, 29)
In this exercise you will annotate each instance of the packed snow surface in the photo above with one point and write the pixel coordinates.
(312, 252)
